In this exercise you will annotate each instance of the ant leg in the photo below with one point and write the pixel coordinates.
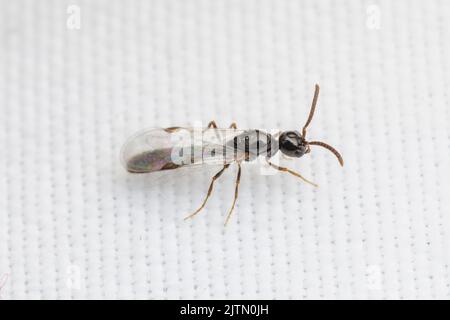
(212, 124)
(236, 191)
(283, 169)
(216, 176)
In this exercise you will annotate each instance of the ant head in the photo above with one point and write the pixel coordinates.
(294, 144)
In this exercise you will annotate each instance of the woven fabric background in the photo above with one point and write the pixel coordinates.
(74, 224)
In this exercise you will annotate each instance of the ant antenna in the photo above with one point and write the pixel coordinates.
(318, 143)
(311, 112)
(327, 146)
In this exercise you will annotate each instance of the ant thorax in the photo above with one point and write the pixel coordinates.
(254, 143)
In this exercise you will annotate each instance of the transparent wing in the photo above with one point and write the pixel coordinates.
(170, 148)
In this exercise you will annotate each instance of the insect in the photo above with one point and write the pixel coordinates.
(171, 148)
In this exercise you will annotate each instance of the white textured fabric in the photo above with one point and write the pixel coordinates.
(74, 224)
